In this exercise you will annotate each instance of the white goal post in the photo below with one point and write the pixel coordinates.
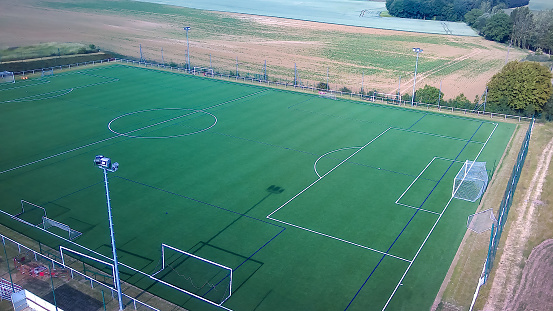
(48, 72)
(7, 77)
(48, 223)
(203, 70)
(324, 94)
(471, 181)
(165, 264)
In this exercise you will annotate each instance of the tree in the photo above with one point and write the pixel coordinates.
(523, 27)
(498, 27)
(429, 95)
(472, 16)
(524, 87)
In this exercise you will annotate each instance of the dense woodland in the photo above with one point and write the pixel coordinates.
(522, 27)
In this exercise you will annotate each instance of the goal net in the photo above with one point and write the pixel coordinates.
(7, 77)
(30, 213)
(471, 181)
(481, 221)
(47, 72)
(194, 275)
(48, 223)
(327, 95)
(203, 71)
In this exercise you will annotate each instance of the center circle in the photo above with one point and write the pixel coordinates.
(164, 121)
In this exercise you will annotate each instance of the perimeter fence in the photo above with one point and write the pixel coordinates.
(295, 83)
(506, 203)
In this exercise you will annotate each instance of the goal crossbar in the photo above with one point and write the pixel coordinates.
(49, 223)
(23, 203)
(163, 246)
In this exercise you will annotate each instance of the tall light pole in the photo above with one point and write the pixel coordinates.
(187, 49)
(416, 50)
(105, 165)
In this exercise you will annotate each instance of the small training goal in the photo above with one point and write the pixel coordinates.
(471, 181)
(327, 95)
(48, 72)
(7, 77)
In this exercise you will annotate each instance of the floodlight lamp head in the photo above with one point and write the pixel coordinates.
(417, 50)
(105, 163)
(186, 28)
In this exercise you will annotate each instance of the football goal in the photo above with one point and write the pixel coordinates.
(48, 223)
(194, 275)
(7, 77)
(47, 72)
(203, 71)
(31, 213)
(323, 94)
(471, 181)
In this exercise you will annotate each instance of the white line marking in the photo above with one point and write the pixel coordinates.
(432, 229)
(343, 161)
(313, 183)
(341, 240)
(315, 165)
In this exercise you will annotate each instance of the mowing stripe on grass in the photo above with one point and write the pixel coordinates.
(405, 227)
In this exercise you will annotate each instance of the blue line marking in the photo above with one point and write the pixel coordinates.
(418, 209)
(417, 121)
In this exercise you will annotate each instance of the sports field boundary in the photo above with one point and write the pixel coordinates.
(375, 97)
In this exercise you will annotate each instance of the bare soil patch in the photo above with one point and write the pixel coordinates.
(536, 286)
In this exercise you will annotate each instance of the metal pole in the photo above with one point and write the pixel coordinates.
(295, 75)
(162, 60)
(140, 47)
(416, 50)
(399, 90)
(53, 288)
(507, 58)
(362, 81)
(265, 71)
(236, 67)
(485, 99)
(8, 264)
(187, 49)
(211, 67)
(115, 264)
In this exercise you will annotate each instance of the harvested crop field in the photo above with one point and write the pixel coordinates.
(354, 57)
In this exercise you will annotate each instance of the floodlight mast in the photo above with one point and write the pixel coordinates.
(187, 49)
(416, 50)
(105, 165)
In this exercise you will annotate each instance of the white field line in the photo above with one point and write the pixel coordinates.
(335, 167)
(38, 97)
(441, 136)
(313, 183)
(432, 229)
(338, 239)
(106, 139)
(324, 155)
(25, 85)
(57, 154)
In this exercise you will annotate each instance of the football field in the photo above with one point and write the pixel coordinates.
(263, 199)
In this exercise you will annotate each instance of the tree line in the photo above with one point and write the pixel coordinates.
(520, 88)
(522, 27)
(447, 10)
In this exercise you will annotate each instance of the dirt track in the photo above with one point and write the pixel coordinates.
(508, 269)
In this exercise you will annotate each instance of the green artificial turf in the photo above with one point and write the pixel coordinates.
(316, 204)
